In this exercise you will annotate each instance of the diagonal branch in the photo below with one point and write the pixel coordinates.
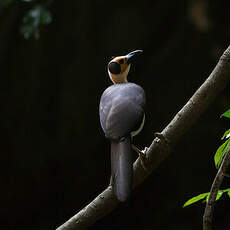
(209, 209)
(159, 149)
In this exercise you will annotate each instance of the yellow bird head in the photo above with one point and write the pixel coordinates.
(118, 67)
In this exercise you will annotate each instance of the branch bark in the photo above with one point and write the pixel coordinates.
(161, 145)
(209, 209)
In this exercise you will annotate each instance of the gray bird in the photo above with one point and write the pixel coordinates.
(122, 117)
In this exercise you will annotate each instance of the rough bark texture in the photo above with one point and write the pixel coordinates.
(161, 145)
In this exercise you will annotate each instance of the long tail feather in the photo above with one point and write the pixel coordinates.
(122, 168)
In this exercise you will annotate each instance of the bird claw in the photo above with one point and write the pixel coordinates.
(143, 152)
(142, 156)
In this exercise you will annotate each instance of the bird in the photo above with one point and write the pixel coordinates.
(122, 116)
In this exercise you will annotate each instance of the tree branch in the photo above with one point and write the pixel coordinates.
(159, 149)
(209, 209)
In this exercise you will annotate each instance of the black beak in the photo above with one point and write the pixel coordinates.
(132, 56)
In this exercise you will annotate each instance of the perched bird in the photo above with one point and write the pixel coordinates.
(122, 117)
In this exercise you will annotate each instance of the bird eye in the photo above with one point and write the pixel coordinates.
(114, 68)
(121, 61)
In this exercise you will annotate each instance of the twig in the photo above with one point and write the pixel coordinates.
(209, 209)
(159, 150)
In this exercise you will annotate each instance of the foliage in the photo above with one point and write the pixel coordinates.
(33, 20)
(221, 151)
(219, 155)
(196, 199)
(226, 114)
(37, 16)
(205, 197)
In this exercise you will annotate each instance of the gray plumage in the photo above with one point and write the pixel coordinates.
(121, 112)
(122, 168)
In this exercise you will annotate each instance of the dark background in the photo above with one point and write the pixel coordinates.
(54, 156)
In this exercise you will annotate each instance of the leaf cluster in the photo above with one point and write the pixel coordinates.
(218, 158)
(34, 19)
(205, 197)
(221, 151)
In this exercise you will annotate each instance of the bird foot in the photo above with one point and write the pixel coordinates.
(142, 155)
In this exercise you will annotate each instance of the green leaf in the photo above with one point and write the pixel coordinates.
(219, 194)
(221, 151)
(207, 197)
(226, 190)
(33, 20)
(195, 199)
(228, 193)
(226, 114)
(225, 134)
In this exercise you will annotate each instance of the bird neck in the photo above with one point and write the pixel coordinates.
(119, 78)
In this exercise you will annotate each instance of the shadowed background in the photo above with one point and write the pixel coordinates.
(54, 156)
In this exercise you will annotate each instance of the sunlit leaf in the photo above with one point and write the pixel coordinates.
(219, 194)
(221, 151)
(228, 193)
(225, 134)
(226, 190)
(195, 199)
(207, 197)
(226, 114)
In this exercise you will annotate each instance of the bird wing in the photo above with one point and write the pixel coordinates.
(121, 109)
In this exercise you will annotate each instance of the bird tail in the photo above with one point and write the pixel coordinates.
(122, 168)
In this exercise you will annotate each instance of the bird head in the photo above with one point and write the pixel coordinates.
(118, 67)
